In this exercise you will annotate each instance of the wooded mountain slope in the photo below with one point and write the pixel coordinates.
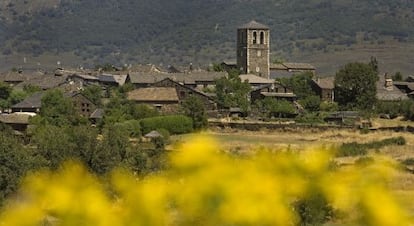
(202, 31)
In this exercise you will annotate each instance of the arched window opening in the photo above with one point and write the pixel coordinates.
(262, 37)
(254, 37)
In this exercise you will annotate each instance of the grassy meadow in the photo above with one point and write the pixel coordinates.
(248, 141)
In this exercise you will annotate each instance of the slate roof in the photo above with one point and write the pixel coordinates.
(15, 118)
(43, 81)
(106, 78)
(274, 94)
(253, 25)
(325, 83)
(254, 79)
(97, 114)
(33, 101)
(409, 85)
(183, 78)
(154, 94)
(281, 74)
(120, 79)
(146, 78)
(299, 66)
(391, 93)
(12, 77)
(146, 68)
(278, 66)
(85, 77)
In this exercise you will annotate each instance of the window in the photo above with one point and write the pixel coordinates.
(182, 94)
(257, 69)
(259, 53)
(261, 37)
(241, 53)
(254, 37)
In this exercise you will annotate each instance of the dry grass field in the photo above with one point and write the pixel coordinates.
(246, 141)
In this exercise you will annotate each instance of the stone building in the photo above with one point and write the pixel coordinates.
(253, 49)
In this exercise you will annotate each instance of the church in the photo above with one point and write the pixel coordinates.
(253, 54)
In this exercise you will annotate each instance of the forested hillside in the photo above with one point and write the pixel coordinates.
(183, 31)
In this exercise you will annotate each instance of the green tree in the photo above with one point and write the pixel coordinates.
(94, 94)
(373, 63)
(275, 108)
(15, 162)
(54, 144)
(194, 108)
(232, 92)
(5, 91)
(16, 96)
(301, 84)
(57, 109)
(355, 86)
(112, 150)
(84, 141)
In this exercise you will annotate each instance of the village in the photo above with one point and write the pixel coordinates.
(140, 123)
(166, 88)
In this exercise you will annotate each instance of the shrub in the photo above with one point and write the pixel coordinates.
(174, 124)
(329, 106)
(133, 127)
(351, 149)
(408, 162)
(354, 148)
(311, 103)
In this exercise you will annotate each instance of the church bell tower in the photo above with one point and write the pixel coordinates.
(253, 49)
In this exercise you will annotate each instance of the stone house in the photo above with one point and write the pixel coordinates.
(324, 88)
(167, 94)
(33, 104)
(184, 91)
(164, 99)
(276, 91)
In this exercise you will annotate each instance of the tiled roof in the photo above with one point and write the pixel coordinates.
(253, 25)
(154, 94)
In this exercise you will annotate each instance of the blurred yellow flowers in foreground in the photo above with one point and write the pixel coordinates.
(204, 186)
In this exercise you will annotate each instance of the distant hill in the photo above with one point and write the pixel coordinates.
(183, 31)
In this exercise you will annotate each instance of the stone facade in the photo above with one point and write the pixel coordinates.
(253, 49)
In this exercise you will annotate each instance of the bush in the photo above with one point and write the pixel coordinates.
(174, 124)
(133, 127)
(329, 106)
(310, 118)
(311, 103)
(408, 162)
(354, 148)
(351, 149)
